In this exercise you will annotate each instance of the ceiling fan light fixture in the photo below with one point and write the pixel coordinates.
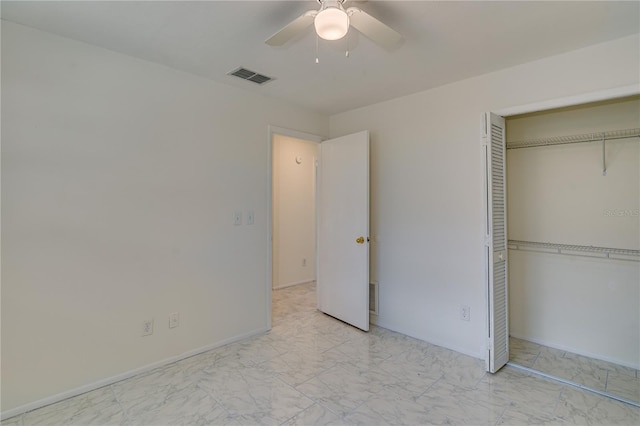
(332, 22)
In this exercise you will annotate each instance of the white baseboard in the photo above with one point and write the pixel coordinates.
(575, 351)
(292, 284)
(119, 377)
(477, 355)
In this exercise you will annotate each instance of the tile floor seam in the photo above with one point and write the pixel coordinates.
(557, 402)
(124, 412)
(430, 386)
(217, 401)
(535, 359)
(500, 417)
(319, 402)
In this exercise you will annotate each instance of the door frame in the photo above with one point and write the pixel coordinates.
(585, 98)
(272, 131)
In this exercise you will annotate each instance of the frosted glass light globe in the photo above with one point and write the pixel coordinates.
(331, 23)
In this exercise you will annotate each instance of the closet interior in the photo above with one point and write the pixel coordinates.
(573, 225)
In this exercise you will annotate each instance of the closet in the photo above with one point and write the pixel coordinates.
(573, 229)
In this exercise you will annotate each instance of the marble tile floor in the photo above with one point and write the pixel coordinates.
(600, 375)
(311, 369)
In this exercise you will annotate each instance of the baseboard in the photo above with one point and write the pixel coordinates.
(123, 376)
(292, 284)
(477, 355)
(575, 351)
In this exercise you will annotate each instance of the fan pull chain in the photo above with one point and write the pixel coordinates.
(317, 60)
(346, 53)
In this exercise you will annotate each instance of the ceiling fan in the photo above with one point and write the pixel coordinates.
(332, 22)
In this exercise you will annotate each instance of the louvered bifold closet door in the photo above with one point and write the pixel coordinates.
(496, 242)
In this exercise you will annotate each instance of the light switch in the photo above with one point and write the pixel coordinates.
(250, 217)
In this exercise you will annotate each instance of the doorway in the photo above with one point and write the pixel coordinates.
(294, 211)
(341, 222)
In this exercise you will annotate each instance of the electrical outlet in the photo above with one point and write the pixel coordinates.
(174, 319)
(465, 313)
(237, 218)
(304, 262)
(147, 327)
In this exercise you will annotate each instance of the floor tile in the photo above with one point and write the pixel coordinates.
(343, 388)
(98, 407)
(523, 352)
(196, 407)
(449, 404)
(392, 409)
(150, 391)
(254, 394)
(597, 374)
(581, 408)
(315, 415)
(530, 395)
(513, 417)
(13, 421)
(623, 385)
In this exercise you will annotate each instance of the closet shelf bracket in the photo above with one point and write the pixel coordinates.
(604, 163)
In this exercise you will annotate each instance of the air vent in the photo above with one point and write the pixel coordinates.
(246, 74)
(373, 298)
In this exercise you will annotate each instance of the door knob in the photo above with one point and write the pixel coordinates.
(360, 240)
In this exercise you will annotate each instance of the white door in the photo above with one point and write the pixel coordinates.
(496, 242)
(343, 229)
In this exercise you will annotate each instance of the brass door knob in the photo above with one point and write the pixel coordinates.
(360, 240)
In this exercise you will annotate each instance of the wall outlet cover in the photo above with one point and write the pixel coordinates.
(147, 327)
(465, 312)
(174, 319)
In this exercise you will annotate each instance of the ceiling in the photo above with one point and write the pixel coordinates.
(444, 41)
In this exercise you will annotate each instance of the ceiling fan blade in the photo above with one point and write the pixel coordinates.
(294, 28)
(378, 32)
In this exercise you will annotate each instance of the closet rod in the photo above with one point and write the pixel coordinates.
(587, 137)
(576, 250)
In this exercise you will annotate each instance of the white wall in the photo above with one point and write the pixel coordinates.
(558, 194)
(585, 306)
(119, 182)
(294, 224)
(426, 185)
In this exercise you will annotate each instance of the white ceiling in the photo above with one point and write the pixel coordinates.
(444, 41)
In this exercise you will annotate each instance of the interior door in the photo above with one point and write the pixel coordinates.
(496, 242)
(343, 229)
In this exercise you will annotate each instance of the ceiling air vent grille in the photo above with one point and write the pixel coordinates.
(246, 74)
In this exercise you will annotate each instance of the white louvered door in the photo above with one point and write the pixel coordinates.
(496, 242)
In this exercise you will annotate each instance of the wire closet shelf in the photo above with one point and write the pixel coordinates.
(587, 137)
(576, 250)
